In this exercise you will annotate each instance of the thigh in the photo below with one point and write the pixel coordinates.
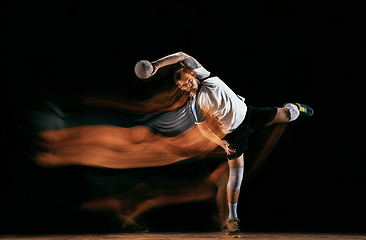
(260, 117)
(236, 162)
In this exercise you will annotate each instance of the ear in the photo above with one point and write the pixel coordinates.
(193, 73)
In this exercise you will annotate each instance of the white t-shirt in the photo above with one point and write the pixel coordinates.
(195, 111)
(219, 101)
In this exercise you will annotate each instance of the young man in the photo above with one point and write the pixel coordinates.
(209, 95)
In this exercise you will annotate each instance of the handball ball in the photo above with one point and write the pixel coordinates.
(143, 69)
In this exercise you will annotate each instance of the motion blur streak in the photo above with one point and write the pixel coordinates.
(119, 135)
(139, 155)
(116, 147)
(164, 101)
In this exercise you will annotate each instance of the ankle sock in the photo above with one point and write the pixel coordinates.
(232, 210)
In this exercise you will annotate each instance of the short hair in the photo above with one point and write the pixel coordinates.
(178, 74)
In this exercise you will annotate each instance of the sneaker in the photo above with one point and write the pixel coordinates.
(233, 227)
(131, 227)
(304, 109)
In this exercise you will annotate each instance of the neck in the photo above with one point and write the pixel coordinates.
(195, 91)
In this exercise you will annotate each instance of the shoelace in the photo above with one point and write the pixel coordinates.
(301, 108)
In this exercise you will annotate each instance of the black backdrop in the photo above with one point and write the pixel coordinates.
(270, 52)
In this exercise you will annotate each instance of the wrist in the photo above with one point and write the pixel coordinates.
(156, 66)
(155, 63)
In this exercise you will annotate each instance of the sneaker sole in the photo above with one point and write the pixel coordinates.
(234, 235)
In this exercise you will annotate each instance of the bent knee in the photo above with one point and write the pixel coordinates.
(285, 114)
(282, 116)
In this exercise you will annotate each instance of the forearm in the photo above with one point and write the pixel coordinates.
(185, 59)
(170, 59)
(209, 134)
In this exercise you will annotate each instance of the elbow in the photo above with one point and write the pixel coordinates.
(182, 55)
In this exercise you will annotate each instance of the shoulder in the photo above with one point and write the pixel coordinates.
(212, 81)
(201, 73)
(188, 61)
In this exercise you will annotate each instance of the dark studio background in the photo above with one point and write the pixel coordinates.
(270, 52)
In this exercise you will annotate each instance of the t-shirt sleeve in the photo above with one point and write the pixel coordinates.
(201, 73)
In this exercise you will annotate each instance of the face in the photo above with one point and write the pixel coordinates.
(188, 83)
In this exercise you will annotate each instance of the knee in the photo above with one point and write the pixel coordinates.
(236, 172)
(287, 114)
(235, 177)
(283, 115)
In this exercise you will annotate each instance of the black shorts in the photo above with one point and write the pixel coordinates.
(255, 118)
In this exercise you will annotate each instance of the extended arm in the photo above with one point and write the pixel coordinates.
(210, 135)
(184, 59)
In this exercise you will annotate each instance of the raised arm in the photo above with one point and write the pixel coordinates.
(186, 60)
